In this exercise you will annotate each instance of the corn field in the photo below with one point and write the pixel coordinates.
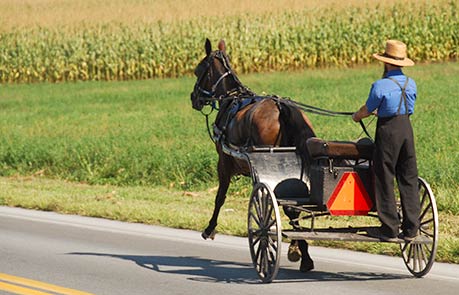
(267, 42)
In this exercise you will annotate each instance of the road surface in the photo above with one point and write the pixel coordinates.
(48, 253)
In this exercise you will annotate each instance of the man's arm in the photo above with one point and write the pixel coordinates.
(361, 113)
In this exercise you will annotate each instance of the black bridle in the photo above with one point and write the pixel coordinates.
(208, 96)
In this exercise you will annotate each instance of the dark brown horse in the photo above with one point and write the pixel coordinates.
(245, 119)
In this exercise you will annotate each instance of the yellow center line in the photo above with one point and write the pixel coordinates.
(20, 290)
(6, 278)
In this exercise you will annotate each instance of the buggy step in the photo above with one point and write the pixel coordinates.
(330, 235)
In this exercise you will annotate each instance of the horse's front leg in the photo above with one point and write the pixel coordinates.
(224, 178)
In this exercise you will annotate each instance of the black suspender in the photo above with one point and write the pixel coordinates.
(403, 96)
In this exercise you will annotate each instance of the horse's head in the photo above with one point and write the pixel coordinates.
(212, 73)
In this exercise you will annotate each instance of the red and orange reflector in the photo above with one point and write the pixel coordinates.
(349, 197)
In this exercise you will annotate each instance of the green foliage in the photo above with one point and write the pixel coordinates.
(262, 43)
(105, 133)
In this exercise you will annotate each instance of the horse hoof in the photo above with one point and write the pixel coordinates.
(294, 253)
(306, 266)
(206, 236)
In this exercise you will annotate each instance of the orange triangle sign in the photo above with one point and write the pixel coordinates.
(349, 197)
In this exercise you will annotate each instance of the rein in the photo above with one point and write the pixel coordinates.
(323, 112)
(304, 107)
(207, 97)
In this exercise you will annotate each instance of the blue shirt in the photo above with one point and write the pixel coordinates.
(385, 95)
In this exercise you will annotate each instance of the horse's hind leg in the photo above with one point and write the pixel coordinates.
(224, 178)
(298, 248)
(306, 262)
(294, 252)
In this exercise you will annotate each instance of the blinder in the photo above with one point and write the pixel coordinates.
(200, 96)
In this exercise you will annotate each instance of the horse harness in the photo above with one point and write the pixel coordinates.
(241, 96)
(237, 103)
(231, 102)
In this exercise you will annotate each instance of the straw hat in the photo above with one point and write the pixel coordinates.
(395, 54)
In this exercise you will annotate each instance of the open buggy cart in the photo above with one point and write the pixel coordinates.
(339, 182)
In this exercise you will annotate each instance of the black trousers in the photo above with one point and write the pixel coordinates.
(395, 158)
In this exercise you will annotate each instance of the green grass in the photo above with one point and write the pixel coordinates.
(146, 133)
(120, 133)
(77, 143)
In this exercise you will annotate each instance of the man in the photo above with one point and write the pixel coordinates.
(392, 98)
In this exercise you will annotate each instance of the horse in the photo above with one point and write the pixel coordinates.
(246, 119)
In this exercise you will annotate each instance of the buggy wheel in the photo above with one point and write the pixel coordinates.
(419, 255)
(264, 232)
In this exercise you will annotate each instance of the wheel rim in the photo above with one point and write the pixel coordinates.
(419, 256)
(264, 232)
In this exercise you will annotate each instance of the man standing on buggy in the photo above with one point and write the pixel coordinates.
(393, 98)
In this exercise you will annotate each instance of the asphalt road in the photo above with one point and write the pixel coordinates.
(47, 253)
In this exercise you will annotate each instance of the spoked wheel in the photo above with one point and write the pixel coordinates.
(419, 255)
(264, 231)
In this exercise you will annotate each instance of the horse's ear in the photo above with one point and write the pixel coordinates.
(222, 45)
(208, 46)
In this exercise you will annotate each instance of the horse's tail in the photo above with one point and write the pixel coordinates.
(294, 129)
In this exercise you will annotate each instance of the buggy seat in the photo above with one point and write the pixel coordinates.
(319, 148)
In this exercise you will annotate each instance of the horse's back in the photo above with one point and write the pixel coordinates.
(256, 124)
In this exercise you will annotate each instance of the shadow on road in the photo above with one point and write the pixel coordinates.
(209, 270)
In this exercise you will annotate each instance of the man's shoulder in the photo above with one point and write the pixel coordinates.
(383, 83)
(389, 82)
